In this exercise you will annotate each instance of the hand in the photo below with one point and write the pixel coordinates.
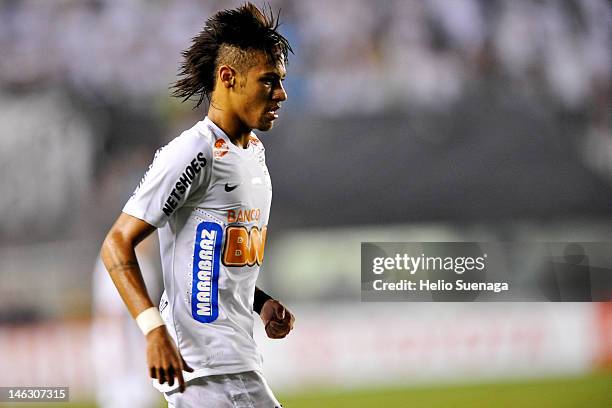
(163, 358)
(277, 319)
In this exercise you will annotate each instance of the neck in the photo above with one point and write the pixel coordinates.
(230, 125)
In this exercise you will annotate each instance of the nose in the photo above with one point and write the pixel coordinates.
(279, 93)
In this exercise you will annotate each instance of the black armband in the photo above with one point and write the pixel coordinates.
(261, 297)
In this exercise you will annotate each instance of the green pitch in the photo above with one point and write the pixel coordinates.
(593, 391)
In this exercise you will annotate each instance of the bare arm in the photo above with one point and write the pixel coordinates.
(119, 258)
(120, 261)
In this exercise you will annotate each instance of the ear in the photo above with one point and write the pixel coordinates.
(227, 76)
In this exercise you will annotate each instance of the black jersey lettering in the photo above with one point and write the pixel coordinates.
(180, 187)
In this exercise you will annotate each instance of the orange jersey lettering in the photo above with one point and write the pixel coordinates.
(248, 215)
(244, 247)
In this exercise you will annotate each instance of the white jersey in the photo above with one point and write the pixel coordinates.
(210, 200)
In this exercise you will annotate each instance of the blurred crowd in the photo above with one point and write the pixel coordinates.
(352, 56)
(94, 74)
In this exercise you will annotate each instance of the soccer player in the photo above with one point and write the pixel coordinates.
(208, 193)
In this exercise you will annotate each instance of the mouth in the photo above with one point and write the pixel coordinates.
(272, 113)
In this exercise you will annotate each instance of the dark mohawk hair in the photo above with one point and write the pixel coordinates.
(246, 28)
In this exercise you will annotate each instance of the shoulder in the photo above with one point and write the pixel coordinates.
(194, 143)
(198, 137)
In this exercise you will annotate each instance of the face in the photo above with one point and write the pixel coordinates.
(259, 93)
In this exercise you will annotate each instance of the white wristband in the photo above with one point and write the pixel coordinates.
(149, 319)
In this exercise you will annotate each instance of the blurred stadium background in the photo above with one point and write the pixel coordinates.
(438, 120)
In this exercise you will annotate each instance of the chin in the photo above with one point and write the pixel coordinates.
(265, 125)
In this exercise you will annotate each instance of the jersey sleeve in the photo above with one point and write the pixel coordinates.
(178, 169)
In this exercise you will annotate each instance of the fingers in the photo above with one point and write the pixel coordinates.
(168, 372)
(185, 366)
(280, 312)
(277, 330)
(164, 360)
(291, 320)
(279, 327)
(171, 372)
(288, 320)
(161, 375)
(181, 381)
(179, 374)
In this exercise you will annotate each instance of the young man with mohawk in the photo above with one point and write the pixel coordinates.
(208, 193)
